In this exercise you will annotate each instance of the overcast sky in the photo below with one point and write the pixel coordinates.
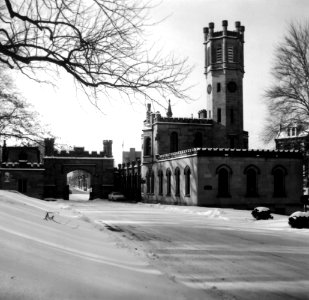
(77, 123)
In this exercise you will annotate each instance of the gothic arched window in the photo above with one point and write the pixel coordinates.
(147, 146)
(252, 181)
(279, 174)
(224, 172)
(168, 182)
(174, 142)
(152, 182)
(160, 176)
(177, 182)
(187, 174)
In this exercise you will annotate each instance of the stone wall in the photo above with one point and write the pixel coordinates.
(204, 166)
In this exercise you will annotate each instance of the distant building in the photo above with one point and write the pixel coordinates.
(131, 155)
(295, 137)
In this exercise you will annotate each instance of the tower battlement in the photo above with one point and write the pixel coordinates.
(209, 32)
(224, 70)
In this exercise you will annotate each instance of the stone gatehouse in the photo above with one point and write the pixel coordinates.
(42, 173)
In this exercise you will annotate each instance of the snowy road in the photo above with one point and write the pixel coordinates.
(110, 250)
(70, 258)
(225, 253)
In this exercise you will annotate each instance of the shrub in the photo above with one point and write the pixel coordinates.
(261, 213)
(299, 219)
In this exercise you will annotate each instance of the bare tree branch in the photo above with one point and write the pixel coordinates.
(98, 42)
(287, 99)
(17, 119)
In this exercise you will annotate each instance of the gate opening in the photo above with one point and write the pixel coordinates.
(79, 183)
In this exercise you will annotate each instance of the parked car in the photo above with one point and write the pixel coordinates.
(116, 196)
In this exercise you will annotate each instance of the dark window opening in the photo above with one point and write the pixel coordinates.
(177, 182)
(148, 182)
(219, 115)
(279, 183)
(232, 115)
(251, 183)
(160, 175)
(218, 87)
(22, 185)
(198, 139)
(174, 142)
(187, 181)
(168, 182)
(152, 182)
(232, 141)
(147, 146)
(223, 183)
(23, 156)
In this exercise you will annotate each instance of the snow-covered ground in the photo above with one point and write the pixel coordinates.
(107, 250)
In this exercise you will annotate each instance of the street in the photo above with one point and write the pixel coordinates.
(112, 250)
(226, 256)
(78, 194)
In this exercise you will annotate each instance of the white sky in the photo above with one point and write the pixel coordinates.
(77, 123)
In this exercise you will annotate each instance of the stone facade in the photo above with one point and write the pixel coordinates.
(252, 178)
(44, 175)
(205, 160)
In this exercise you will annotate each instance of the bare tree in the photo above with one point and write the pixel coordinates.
(288, 97)
(99, 42)
(18, 121)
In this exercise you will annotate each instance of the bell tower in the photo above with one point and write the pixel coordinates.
(224, 70)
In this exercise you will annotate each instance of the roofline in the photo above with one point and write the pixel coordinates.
(233, 153)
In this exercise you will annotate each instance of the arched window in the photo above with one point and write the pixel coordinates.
(198, 140)
(168, 182)
(174, 142)
(279, 174)
(160, 176)
(252, 181)
(224, 172)
(187, 173)
(147, 146)
(177, 182)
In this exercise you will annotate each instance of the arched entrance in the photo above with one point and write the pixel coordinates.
(79, 182)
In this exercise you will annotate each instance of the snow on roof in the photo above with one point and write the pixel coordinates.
(300, 214)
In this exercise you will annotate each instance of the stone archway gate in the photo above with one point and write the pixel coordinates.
(58, 164)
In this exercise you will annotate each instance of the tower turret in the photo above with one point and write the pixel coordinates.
(107, 148)
(224, 70)
(169, 113)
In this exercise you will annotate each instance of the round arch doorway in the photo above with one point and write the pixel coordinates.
(79, 183)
